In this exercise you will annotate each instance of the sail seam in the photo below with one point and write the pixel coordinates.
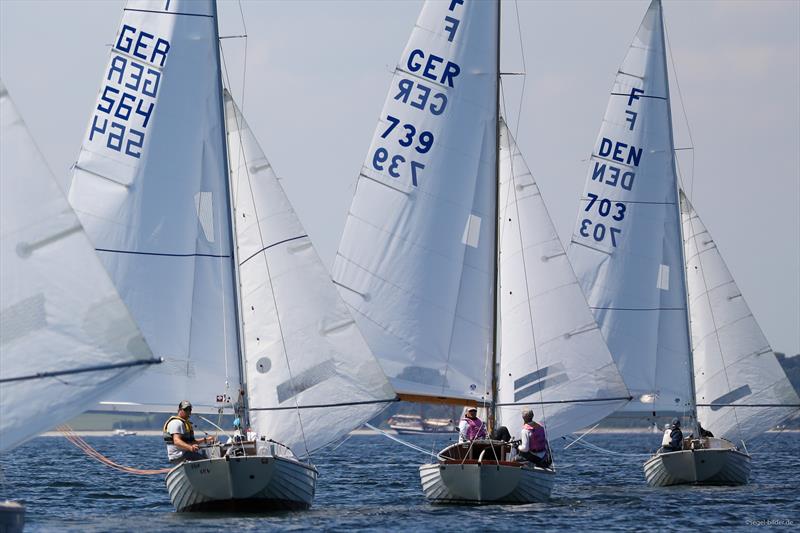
(640, 308)
(271, 246)
(160, 254)
(169, 13)
(641, 96)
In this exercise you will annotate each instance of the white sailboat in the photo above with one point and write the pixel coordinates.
(675, 322)
(66, 338)
(422, 258)
(194, 227)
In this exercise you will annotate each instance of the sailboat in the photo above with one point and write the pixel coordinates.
(66, 337)
(674, 319)
(194, 227)
(458, 308)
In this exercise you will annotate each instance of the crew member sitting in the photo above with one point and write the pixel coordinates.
(673, 438)
(533, 441)
(471, 427)
(179, 436)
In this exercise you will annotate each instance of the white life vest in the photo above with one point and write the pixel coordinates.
(667, 438)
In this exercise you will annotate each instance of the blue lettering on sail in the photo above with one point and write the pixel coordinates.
(419, 96)
(127, 99)
(617, 152)
(430, 68)
(452, 28)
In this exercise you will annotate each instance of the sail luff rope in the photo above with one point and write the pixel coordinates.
(84, 446)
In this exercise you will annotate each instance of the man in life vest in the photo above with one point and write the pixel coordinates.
(179, 436)
(471, 427)
(533, 442)
(672, 441)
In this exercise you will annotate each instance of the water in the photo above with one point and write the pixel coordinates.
(371, 483)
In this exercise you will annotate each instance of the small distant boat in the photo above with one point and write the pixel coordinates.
(407, 424)
(123, 433)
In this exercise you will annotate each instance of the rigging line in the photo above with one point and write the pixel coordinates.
(713, 318)
(325, 405)
(265, 248)
(581, 437)
(400, 441)
(596, 448)
(84, 446)
(95, 368)
(683, 106)
(524, 69)
(244, 66)
(162, 254)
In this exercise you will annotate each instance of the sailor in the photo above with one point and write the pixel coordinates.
(533, 441)
(471, 427)
(179, 436)
(673, 437)
(704, 433)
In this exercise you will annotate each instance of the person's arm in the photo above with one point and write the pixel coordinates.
(524, 443)
(181, 444)
(462, 431)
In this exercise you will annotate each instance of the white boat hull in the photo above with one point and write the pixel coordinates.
(485, 483)
(699, 467)
(251, 483)
(12, 517)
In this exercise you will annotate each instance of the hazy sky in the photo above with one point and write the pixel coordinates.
(317, 73)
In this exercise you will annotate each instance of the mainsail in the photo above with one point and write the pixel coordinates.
(66, 338)
(309, 374)
(150, 188)
(552, 355)
(416, 261)
(734, 364)
(626, 249)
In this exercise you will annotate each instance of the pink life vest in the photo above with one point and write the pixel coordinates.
(475, 428)
(537, 441)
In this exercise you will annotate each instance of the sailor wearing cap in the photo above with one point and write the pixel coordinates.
(179, 436)
(471, 427)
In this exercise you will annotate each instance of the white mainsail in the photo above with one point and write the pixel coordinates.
(626, 249)
(416, 261)
(551, 350)
(733, 361)
(66, 338)
(309, 374)
(150, 188)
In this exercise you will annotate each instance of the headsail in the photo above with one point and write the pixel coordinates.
(150, 188)
(734, 364)
(59, 312)
(551, 349)
(626, 248)
(416, 260)
(302, 347)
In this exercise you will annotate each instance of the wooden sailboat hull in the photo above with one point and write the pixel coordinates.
(698, 467)
(485, 483)
(245, 484)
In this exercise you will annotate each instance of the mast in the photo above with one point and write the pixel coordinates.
(240, 403)
(693, 391)
(492, 414)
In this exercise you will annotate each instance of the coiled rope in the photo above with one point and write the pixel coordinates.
(86, 448)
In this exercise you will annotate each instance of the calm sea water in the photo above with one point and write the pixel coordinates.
(371, 483)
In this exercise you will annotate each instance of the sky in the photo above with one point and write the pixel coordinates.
(313, 76)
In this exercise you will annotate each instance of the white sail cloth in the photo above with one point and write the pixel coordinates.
(416, 260)
(59, 312)
(309, 373)
(733, 361)
(626, 248)
(551, 350)
(150, 188)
